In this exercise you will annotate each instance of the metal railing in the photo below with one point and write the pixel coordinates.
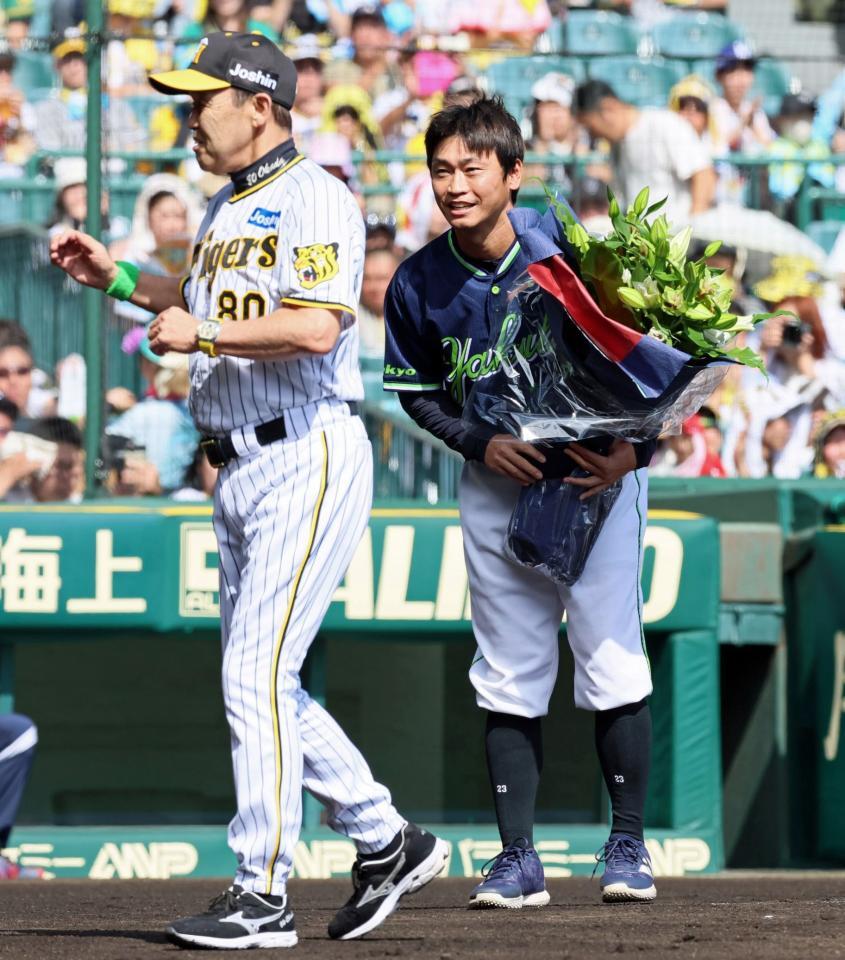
(409, 463)
(30, 199)
(49, 305)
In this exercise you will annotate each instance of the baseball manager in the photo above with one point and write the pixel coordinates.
(267, 314)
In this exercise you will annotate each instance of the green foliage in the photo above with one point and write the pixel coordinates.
(640, 275)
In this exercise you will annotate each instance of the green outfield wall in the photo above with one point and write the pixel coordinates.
(135, 567)
(109, 640)
(816, 618)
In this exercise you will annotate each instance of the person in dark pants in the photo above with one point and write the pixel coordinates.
(18, 738)
(440, 334)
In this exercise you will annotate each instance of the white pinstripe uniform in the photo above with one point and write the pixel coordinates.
(287, 515)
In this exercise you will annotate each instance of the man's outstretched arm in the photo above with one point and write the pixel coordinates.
(89, 263)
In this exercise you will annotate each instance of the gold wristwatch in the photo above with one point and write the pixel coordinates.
(207, 333)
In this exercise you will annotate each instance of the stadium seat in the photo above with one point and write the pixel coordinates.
(694, 35)
(824, 232)
(26, 200)
(143, 106)
(552, 40)
(514, 77)
(771, 81)
(645, 83)
(33, 70)
(599, 32)
(831, 205)
(11, 205)
(37, 94)
(123, 193)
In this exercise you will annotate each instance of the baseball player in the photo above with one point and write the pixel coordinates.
(18, 739)
(267, 315)
(438, 316)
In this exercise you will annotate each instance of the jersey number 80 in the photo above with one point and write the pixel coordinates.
(231, 307)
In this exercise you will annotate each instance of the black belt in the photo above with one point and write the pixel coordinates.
(220, 450)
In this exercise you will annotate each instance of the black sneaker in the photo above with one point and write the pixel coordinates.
(235, 920)
(412, 859)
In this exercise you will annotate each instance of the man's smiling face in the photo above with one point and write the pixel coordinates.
(471, 188)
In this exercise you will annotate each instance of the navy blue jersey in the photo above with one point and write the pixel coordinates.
(443, 314)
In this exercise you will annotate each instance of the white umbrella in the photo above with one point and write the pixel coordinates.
(756, 231)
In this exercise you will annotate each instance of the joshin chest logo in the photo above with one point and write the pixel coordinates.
(265, 219)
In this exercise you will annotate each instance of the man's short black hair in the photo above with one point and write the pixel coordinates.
(589, 96)
(158, 198)
(695, 102)
(484, 125)
(709, 417)
(347, 110)
(57, 430)
(12, 334)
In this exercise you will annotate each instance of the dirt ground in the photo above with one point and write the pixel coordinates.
(765, 916)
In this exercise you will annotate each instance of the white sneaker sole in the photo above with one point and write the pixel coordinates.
(621, 893)
(485, 901)
(424, 873)
(231, 943)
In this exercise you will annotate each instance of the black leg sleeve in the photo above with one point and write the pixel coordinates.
(623, 742)
(514, 760)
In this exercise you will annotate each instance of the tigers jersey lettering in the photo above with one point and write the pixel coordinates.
(296, 239)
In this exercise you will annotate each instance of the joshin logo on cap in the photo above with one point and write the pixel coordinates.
(258, 77)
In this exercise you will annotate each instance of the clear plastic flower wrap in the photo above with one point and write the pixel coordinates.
(561, 371)
(553, 531)
(552, 382)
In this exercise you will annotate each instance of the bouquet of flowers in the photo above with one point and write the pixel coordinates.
(641, 277)
(631, 357)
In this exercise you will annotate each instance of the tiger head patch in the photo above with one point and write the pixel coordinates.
(315, 264)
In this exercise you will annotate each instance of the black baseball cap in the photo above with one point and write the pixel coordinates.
(797, 105)
(248, 61)
(368, 14)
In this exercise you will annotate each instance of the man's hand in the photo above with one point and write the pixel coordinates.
(512, 458)
(120, 399)
(138, 479)
(83, 258)
(174, 330)
(771, 333)
(604, 471)
(14, 469)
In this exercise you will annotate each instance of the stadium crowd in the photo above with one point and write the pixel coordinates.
(724, 147)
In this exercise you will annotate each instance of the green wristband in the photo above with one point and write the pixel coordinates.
(123, 285)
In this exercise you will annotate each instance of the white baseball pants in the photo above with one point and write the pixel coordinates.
(517, 612)
(288, 517)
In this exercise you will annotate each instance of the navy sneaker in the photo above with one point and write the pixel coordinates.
(411, 860)
(628, 874)
(513, 879)
(235, 920)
